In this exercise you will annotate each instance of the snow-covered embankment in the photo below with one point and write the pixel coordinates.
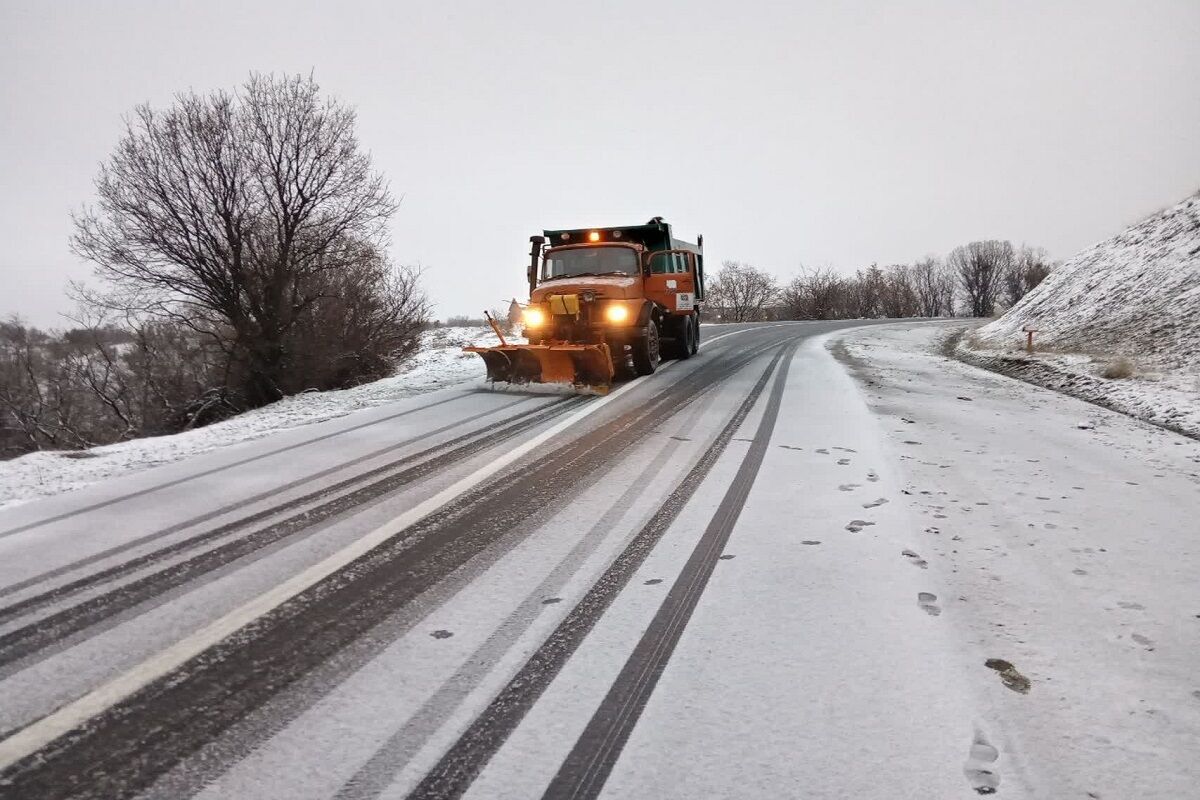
(438, 364)
(1118, 324)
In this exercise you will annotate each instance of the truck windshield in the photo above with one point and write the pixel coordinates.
(590, 261)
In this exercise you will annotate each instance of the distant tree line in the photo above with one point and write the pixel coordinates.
(973, 280)
(240, 244)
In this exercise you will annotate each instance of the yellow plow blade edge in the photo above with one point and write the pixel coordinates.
(576, 364)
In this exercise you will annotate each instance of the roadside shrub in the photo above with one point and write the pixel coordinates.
(1119, 368)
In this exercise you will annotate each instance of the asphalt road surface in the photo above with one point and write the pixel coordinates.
(710, 583)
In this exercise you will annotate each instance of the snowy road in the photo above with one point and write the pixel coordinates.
(806, 563)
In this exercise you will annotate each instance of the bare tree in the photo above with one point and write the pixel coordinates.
(741, 293)
(934, 286)
(814, 294)
(256, 222)
(24, 423)
(58, 391)
(1030, 266)
(864, 293)
(897, 298)
(981, 267)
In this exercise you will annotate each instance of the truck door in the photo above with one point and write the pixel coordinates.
(671, 280)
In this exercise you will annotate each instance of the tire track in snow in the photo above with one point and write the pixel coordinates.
(61, 628)
(250, 459)
(466, 758)
(394, 755)
(206, 765)
(175, 548)
(196, 701)
(587, 766)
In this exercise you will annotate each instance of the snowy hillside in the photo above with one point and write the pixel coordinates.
(1136, 294)
(438, 364)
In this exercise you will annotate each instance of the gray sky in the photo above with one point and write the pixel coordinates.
(788, 133)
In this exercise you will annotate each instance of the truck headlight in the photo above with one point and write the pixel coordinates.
(534, 317)
(616, 313)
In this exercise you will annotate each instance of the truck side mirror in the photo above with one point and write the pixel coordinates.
(535, 252)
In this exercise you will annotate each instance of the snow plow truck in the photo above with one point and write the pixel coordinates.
(604, 304)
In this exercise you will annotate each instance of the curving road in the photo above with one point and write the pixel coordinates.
(691, 587)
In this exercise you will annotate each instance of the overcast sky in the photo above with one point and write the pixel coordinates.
(789, 134)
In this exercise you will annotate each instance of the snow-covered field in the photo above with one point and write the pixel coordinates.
(439, 364)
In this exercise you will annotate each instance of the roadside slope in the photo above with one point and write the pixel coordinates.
(439, 364)
(1116, 324)
(1136, 294)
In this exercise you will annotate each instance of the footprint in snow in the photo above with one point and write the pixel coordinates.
(441, 634)
(872, 477)
(549, 601)
(979, 769)
(843, 462)
(848, 487)
(1144, 641)
(810, 541)
(915, 559)
(1009, 676)
(878, 502)
(653, 582)
(1131, 606)
(856, 525)
(822, 451)
(845, 449)
(790, 447)
(927, 602)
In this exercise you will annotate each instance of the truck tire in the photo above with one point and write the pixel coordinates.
(685, 345)
(695, 318)
(647, 349)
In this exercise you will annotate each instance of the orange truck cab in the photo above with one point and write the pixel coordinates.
(603, 303)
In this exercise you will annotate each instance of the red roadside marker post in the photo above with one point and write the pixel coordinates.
(1029, 332)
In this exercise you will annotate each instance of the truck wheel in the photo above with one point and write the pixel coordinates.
(647, 350)
(685, 345)
(695, 320)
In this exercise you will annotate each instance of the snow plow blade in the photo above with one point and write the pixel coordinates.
(580, 365)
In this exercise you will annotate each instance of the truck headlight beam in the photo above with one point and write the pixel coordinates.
(616, 313)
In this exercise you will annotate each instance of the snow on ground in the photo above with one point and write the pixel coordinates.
(1136, 294)
(439, 364)
(1134, 297)
(1169, 399)
(1062, 536)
